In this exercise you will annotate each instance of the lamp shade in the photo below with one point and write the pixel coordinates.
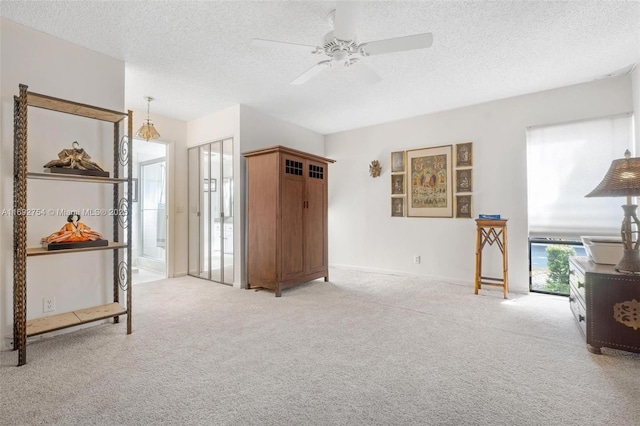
(622, 179)
(147, 131)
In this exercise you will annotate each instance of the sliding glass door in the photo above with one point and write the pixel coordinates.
(211, 211)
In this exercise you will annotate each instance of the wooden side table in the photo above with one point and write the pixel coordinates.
(492, 231)
(605, 304)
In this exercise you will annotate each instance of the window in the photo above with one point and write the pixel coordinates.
(564, 163)
(549, 265)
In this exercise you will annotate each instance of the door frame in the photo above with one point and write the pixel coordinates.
(140, 241)
(169, 193)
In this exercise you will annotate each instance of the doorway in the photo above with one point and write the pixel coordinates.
(211, 211)
(149, 251)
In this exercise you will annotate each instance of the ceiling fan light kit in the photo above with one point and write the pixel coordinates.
(342, 49)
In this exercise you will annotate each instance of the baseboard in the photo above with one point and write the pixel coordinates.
(450, 280)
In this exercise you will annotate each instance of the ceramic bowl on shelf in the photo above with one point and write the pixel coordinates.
(604, 250)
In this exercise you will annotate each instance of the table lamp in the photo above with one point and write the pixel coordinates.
(623, 180)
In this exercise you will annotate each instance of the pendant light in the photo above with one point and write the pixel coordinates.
(148, 131)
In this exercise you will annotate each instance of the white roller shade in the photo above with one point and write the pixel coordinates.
(564, 163)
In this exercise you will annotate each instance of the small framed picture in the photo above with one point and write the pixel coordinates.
(463, 180)
(397, 184)
(464, 154)
(397, 206)
(397, 161)
(463, 206)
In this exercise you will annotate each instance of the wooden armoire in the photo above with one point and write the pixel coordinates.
(286, 218)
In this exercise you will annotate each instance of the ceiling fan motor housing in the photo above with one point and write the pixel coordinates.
(339, 51)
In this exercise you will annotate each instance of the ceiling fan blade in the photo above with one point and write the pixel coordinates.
(274, 43)
(311, 72)
(365, 72)
(345, 19)
(398, 44)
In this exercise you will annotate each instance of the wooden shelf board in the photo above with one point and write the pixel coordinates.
(100, 312)
(74, 108)
(70, 319)
(74, 178)
(39, 251)
(54, 322)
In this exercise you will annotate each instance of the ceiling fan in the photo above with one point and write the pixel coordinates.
(341, 47)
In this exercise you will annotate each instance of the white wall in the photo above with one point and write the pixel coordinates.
(214, 127)
(259, 130)
(53, 67)
(363, 235)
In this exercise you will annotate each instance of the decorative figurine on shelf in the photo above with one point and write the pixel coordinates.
(75, 161)
(74, 232)
(375, 168)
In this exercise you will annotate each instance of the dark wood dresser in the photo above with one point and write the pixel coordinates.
(606, 305)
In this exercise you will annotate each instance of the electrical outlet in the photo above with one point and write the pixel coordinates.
(48, 304)
(416, 259)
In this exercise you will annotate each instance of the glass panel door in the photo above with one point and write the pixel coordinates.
(205, 214)
(194, 212)
(213, 190)
(226, 198)
(211, 211)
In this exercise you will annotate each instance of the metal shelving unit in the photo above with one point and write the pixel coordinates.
(122, 157)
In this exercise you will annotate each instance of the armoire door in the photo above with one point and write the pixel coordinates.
(292, 218)
(315, 217)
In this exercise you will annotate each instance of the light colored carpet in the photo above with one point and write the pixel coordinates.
(363, 349)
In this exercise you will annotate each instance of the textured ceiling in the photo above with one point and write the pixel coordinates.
(196, 57)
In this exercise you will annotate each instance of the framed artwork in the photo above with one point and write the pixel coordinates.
(397, 161)
(463, 206)
(397, 184)
(464, 154)
(463, 180)
(430, 182)
(397, 206)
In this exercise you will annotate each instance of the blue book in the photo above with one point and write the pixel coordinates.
(489, 216)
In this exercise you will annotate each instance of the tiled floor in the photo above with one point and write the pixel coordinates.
(140, 275)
